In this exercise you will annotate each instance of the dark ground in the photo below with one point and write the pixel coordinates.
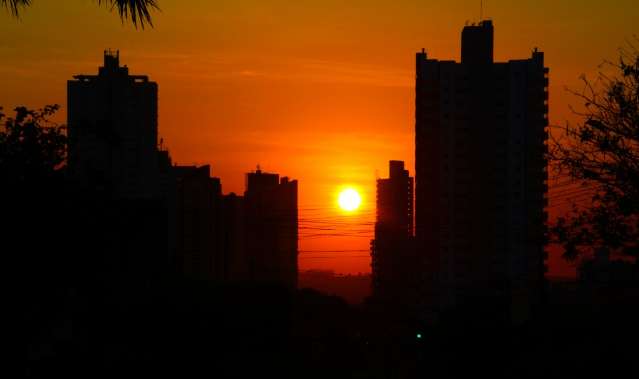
(93, 306)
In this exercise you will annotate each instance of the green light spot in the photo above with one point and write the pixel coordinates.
(419, 336)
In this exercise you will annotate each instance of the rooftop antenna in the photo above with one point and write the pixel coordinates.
(481, 10)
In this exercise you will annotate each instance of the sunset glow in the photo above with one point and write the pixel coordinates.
(300, 87)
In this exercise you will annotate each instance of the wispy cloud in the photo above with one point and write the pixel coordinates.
(273, 68)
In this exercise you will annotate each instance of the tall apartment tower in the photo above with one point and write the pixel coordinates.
(481, 181)
(271, 221)
(113, 129)
(393, 259)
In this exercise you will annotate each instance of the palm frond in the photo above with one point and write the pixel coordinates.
(138, 11)
(14, 5)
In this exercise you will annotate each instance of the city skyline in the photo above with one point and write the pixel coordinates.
(360, 189)
(246, 75)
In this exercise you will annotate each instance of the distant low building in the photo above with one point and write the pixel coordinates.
(601, 271)
(354, 288)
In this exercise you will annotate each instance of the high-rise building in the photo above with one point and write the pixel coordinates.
(395, 202)
(481, 181)
(271, 221)
(394, 263)
(199, 247)
(113, 131)
(113, 154)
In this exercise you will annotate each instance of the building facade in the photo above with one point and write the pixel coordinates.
(394, 263)
(199, 223)
(114, 159)
(271, 233)
(481, 178)
(113, 131)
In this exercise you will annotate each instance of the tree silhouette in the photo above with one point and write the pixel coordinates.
(138, 11)
(32, 148)
(603, 153)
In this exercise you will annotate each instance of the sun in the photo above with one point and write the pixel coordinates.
(349, 200)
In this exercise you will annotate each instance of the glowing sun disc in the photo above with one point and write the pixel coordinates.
(349, 200)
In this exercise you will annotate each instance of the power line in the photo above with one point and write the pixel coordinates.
(336, 257)
(335, 251)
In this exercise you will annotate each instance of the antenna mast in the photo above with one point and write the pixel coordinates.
(481, 10)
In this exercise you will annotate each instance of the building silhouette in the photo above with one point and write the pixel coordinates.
(169, 216)
(230, 238)
(234, 238)
(113, 131)
(481, 180)
(395, 267)
(199, 223)
(271, 232)
(114, 159)
(395, 202)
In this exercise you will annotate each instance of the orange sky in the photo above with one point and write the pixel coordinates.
(318, 90)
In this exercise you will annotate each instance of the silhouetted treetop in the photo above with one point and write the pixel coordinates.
(138, 11)
(602, 151)
(32, 148)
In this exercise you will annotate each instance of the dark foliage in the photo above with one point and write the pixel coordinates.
(14, 5)
(137, 11)
(602, 152)
(32, 148)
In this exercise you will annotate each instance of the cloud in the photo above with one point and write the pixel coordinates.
(277, 68)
